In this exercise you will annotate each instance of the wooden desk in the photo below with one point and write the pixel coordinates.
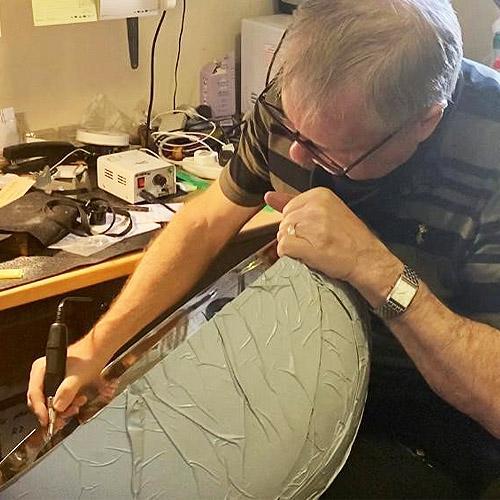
(108, 270)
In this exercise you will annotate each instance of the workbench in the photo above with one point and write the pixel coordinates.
(264, 223)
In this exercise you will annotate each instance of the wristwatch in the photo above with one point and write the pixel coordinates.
(401, 295)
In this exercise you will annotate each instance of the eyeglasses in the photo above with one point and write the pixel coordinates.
(318, 156)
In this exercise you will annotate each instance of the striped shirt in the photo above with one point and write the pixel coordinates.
(439, 212)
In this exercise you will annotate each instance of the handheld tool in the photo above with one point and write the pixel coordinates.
(56, 353)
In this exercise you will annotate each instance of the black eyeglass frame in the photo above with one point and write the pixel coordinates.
(319, 157)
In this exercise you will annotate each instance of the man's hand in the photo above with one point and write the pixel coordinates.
(81, 370)
(321, 231)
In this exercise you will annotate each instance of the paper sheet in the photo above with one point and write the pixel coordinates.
(12, 187)
(49, 12)
(143, 222)
(157, 213)
(90, 245)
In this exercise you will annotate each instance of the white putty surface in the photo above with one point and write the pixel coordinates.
(263, 402)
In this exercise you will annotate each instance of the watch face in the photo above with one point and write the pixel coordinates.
(403, 293)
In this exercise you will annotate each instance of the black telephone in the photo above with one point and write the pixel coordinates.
(35, 156)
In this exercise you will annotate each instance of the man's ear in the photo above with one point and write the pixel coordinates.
(429, 120)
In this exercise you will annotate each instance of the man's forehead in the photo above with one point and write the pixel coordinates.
(345, 112)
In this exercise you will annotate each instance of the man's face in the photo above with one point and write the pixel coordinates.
(344, 132)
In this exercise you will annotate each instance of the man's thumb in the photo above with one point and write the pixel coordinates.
(278, 200)
(66, 393)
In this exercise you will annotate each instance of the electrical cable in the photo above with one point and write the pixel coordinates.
(150, 152)
(152, 82)
(86, 210)
(179, 48)
(168, 141)
(151, 198)
(163, 139)
(233, 127)
(187, 149)
(76, 150)
(195, 138)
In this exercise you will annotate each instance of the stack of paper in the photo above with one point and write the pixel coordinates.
(49, 12)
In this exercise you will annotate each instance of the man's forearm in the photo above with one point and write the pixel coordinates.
(459, 358)
(169, 269)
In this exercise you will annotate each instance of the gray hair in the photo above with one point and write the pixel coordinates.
(404, 55)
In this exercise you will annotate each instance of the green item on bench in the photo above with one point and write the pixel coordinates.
(192, 179)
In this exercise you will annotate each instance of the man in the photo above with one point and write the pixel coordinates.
(394, 142)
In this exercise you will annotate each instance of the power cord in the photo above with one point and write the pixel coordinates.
(179, 48)
(152, 82)
(53, 169)
(90, 212)
(151, 198)
(191, 141)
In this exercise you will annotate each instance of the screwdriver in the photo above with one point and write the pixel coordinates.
(56, 354)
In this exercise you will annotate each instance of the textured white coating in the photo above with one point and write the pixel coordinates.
(263, 402)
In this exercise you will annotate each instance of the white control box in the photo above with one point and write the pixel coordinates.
(128, 173)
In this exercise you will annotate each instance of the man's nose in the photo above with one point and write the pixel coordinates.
(300, 155)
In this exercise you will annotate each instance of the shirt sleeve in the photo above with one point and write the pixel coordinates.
(480, 296)
(245, 179)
